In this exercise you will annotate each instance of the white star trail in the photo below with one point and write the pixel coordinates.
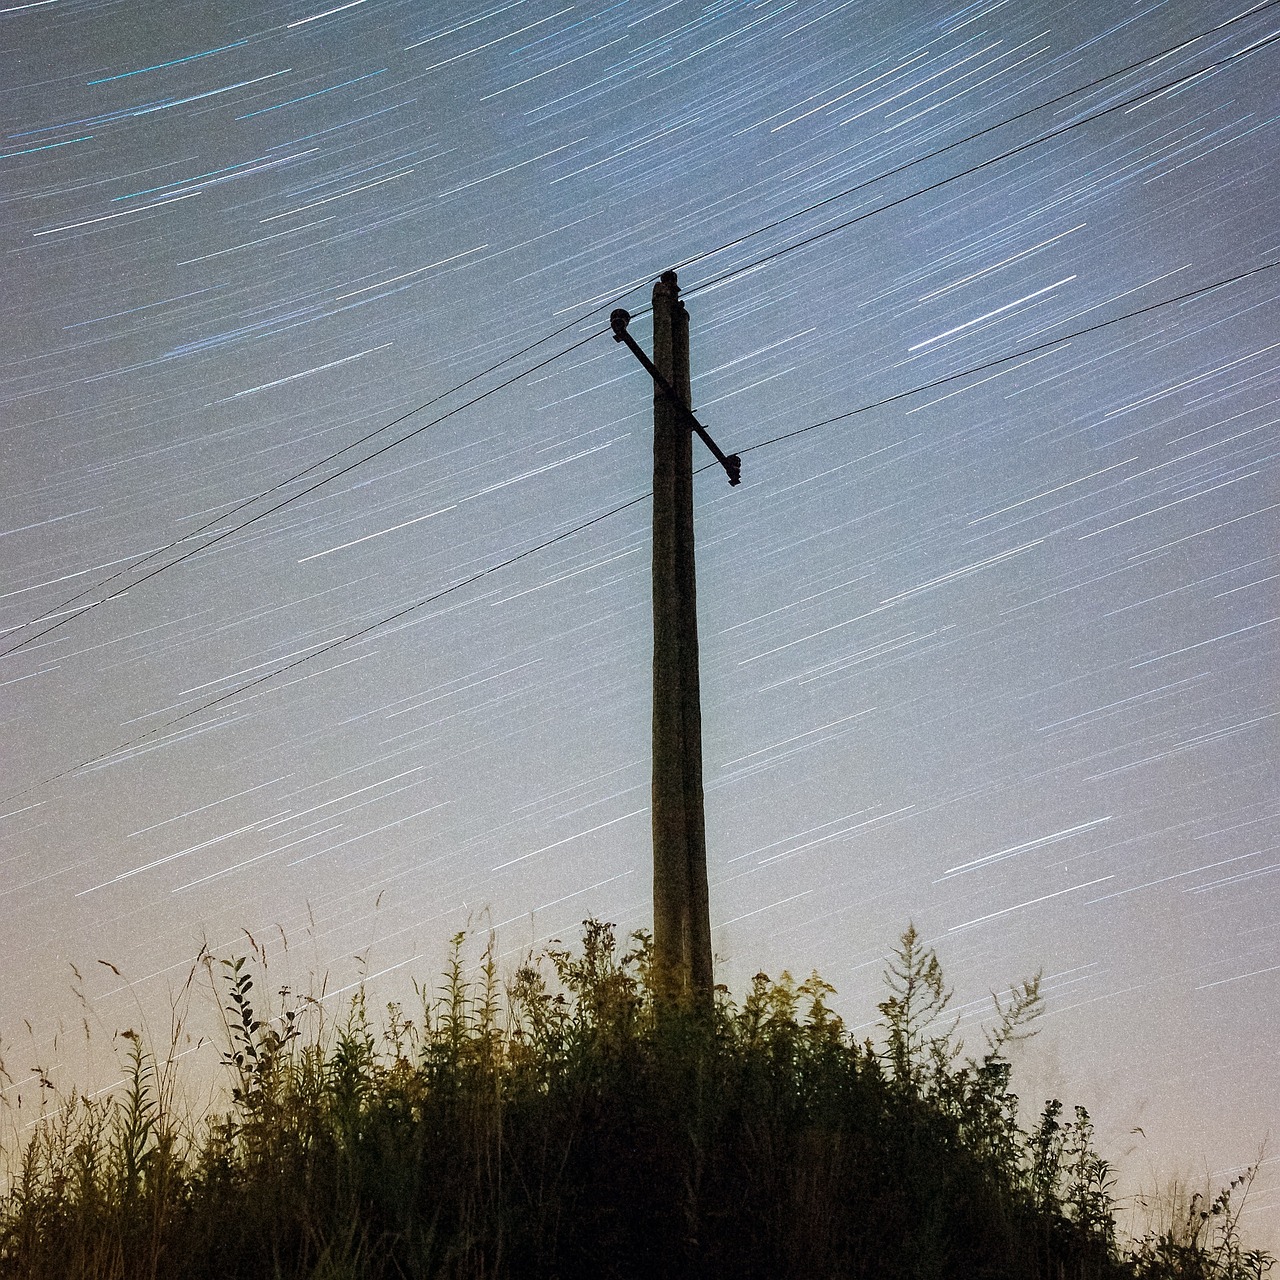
(305, 315)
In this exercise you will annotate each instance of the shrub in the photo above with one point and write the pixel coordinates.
(570, 1124)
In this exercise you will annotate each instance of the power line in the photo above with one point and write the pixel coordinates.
(244, 524)
(333, 644)
(298, 475)
(964, 173)
(222, 516)
(1017, 355)
(950, 146)
(631, 502)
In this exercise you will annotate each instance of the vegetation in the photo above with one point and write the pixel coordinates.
(567, 1125)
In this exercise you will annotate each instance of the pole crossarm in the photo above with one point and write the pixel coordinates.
(732, 464)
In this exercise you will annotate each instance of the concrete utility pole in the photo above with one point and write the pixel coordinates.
(681, 915)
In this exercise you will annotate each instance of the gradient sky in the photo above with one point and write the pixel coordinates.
(997, 656)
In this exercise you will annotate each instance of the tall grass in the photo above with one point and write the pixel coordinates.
(567, 1124)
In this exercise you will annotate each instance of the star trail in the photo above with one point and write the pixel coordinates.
(324, 597)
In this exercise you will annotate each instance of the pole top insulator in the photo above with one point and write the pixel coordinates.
(619, 320)
(669, 278)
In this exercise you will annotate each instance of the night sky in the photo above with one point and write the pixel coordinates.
(997, 656)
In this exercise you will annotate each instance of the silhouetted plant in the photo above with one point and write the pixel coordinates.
(1201, 1240)
(568, 1125)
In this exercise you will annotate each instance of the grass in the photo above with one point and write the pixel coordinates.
(566, 1124)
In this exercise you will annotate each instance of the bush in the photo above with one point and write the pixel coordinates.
(570, 1125)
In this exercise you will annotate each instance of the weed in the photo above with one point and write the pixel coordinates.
(568, 1124)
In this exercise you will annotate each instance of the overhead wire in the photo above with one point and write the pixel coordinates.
(960, 142)
(1016, 355)
(632, 502)
(333, 644)
(583, 317)
(226, 514)
(244, 524)
(984, 164)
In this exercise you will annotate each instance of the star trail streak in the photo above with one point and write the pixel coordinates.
(986, 298)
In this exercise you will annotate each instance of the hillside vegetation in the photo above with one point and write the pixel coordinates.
(566, 1124)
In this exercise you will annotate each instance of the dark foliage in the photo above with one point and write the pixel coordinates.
(570, 1126)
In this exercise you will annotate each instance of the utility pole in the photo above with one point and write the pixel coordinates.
(681, 914)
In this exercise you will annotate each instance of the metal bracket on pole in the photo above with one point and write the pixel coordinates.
(730, 462)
